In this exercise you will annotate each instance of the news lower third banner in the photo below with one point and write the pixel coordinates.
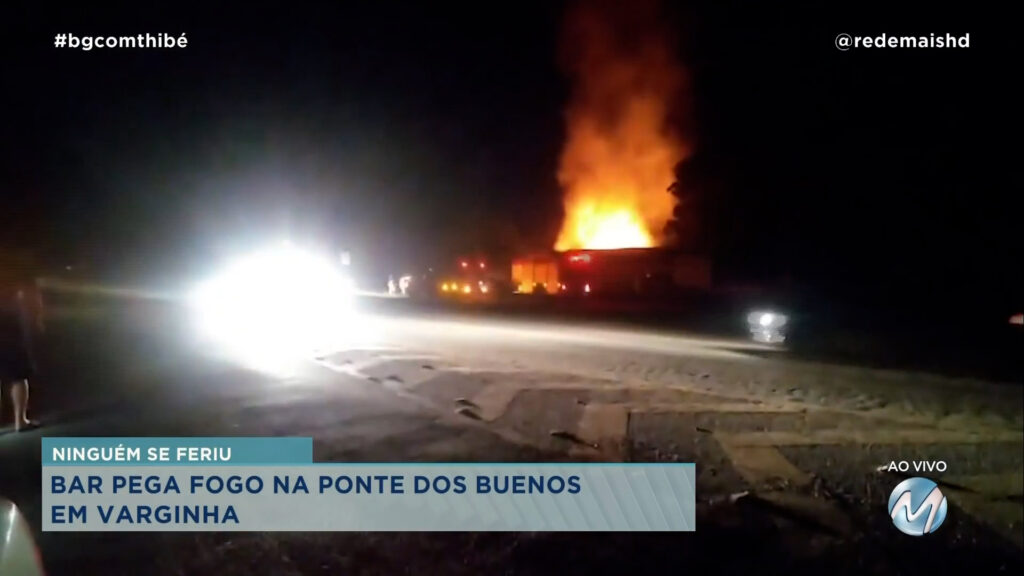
(272, 485)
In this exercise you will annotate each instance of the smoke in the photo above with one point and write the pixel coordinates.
(621, 148)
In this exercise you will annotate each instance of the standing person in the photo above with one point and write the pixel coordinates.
(17, 364)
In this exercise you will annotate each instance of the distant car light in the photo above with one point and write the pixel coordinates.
(586, 288)
(1017, 319)
(767, 326)
(767, 319)
(467, 289)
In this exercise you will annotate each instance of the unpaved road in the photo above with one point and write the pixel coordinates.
(787, 452)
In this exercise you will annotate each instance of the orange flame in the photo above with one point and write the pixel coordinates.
(620, 152)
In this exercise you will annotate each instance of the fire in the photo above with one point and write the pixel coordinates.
(599, 230)
(620, 151)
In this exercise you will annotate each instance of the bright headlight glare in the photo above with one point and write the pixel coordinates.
(279, 301)
(767, 319)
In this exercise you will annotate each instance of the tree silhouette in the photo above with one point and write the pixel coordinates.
(698, 192)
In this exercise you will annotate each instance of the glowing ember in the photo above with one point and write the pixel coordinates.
(620, 152)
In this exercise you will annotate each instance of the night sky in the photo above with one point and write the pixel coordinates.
(408, 131)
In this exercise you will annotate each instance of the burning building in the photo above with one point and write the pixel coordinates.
(628, 271)
(622, 138)
(623, 141)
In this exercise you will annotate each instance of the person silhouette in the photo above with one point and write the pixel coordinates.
(17, 361)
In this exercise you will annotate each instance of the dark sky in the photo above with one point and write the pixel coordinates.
(397, 127)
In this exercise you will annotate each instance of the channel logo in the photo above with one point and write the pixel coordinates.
(917, 506)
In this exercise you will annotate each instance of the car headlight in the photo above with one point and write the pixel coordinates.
(767, 319)
(280, 301)
(767, 326)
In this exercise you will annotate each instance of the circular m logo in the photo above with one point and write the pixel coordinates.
(917, 506)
